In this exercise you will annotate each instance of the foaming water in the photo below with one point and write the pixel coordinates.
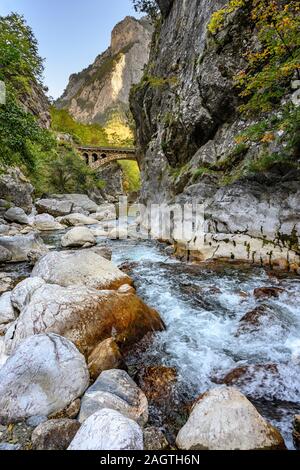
(202, 308)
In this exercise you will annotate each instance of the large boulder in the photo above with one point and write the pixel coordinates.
(108, 430)
(223, 419)
(6, 282)
(78, 200)
(54, 207)
(16, 214)
(46, 223)
(77, 237)
(7, 313)
(75, 219)
(14, 187)
(56, 434)
(88, 268)
(21, 294)
(85, 316)
(24, 247)
(44, 375)
(115, 390)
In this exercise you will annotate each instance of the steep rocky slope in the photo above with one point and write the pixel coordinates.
(101, 90)
(186, 112)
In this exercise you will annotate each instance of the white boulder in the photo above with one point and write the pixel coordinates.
(223, 419)
(69, 268)
(43, 376)
(7, 313)
(21, 294)
(46, 223)
(16, 214)
(108, 430)
(77, 237)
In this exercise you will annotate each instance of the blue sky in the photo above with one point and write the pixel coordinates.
(71, 33)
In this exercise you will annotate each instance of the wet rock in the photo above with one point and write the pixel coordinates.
(127, 267)
(54, 207)
(24, 247)
(296, 431)
(5, 255)
(78, 237)
(85, 316)
(154, 439)
(115, 390)
(105, 212)
(108, 430)
(73, 220)
(44, 374)
(223, 419)
(105, 356)
(7, 313)
(15, 188)
(70, 412)
(46, 223)
(16, 214)
(56, 434)
(255, 319)
(118, 234)
(157, 382)
(268, 292)
(6, 283)
(242, 376)
(22, 293)
(34, 421)
(69, 268)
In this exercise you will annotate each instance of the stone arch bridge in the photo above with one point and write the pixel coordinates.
(96, 157)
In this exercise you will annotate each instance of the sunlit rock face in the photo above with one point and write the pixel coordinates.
(102, 89)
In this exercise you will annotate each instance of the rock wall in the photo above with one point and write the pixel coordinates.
(94, 94)
(186, 113)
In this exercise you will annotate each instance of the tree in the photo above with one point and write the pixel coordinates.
(146, 6)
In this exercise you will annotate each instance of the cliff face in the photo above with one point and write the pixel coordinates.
(99, 91)
(187, 118)
(37, 103)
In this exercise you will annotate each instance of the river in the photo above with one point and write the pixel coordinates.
(202, 307)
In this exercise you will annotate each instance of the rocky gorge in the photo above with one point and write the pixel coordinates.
(114, 337)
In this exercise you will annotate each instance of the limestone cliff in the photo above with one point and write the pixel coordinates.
(186, 110)
(102, 89)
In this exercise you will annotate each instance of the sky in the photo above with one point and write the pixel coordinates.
(71, 33)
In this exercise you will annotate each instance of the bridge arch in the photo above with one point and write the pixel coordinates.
(96, 157)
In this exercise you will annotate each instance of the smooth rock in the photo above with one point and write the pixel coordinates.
(85, 316)
(77, 237)
(46, 223)
(16, 214)
(73, 220)
(126, 289)
(69, 268)
(106, 356)
(223, 419)
(108, 430)
(56, 434)
(21, 294)
(44, 375)
(7, 313)
(114, 389)
(24, 247)
(54, 207)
